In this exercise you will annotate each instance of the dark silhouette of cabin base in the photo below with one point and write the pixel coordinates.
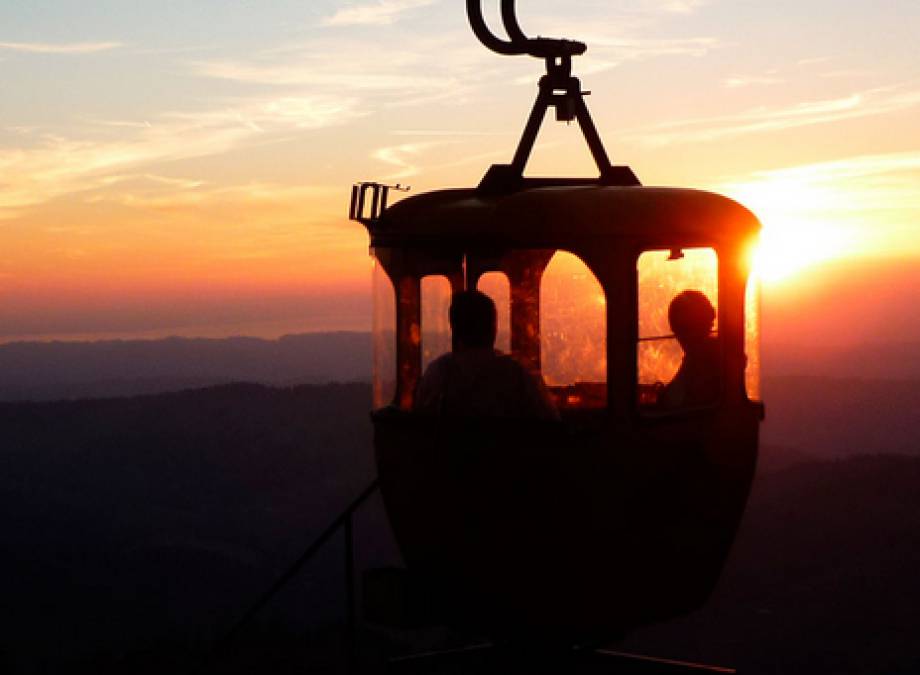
(509, 537)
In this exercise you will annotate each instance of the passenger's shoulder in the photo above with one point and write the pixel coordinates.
(439, 366)
(509, 362)
(443, 360)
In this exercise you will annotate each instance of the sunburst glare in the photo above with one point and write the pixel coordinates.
(803, 225)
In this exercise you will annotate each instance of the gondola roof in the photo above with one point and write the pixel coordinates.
(558, 214)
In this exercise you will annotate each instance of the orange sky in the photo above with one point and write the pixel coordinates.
(167, 171)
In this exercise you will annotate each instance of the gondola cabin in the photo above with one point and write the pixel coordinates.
(623, 511)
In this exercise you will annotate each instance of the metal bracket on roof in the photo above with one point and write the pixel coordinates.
(540, 47)
(367, 211)
(558, 89)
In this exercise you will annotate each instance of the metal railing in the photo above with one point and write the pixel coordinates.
(587, 660)
(345, 522)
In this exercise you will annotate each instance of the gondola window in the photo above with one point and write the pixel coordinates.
(436, 294)
(678, 298)
(573, 332)
(384, 333)
(497, 287)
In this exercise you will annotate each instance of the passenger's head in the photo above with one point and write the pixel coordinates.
(473, 320)
(691, 316)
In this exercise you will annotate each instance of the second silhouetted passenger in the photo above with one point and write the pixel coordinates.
(697, 381)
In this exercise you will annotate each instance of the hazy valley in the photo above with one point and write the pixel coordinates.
(139, 527)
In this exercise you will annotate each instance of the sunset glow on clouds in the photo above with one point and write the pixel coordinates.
(172, 156)
(829, 210)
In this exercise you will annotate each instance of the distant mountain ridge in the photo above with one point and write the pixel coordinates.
(812, 411)
(42, 371)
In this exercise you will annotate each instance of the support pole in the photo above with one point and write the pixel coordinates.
(595, 144)
(351, 642)
(529, 137)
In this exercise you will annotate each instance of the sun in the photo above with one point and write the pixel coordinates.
(799, 226)
(787, 247)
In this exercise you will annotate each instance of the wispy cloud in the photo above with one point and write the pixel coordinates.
(168, 51)
(282, 113)
(779, 76)
(682, 6)
(177, 183)
(621, 32)
(404, 157)
(57, 166)
(812, 60)
(870, 183)
(400, 77)
(738, 81)
(380, 12)
(865, 204)
(848, 73)
(61, 48)
(407, 75)
(52, 166)
(20, 129)
(867, 103)
(131, 124)
(578, 19)
(608, 52)
(444, 132)
(407, 157)
(163, 193)
(638, 47)
(312, 71)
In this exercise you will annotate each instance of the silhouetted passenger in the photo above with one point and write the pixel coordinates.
(474, 379)
(691, 317)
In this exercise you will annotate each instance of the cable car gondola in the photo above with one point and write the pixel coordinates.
(623, 512)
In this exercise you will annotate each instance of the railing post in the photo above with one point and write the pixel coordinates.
(351, 642)
(345, 520)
